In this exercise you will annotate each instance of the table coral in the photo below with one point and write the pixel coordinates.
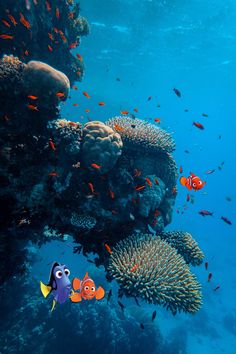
(151, 269)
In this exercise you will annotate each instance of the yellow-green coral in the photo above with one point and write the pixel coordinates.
(185, 245)
(151, 269)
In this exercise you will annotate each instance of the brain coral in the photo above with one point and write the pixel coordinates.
(44, 81)
(101, 145)
(151, 269)
(185, 245)
(137, 133)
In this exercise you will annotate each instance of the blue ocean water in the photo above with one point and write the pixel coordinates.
(141, 49)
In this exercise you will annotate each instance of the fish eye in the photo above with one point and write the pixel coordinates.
(93, 288)
(194, 184)
(67, 272)
(86, 288)
(199, 182)
(59, 274)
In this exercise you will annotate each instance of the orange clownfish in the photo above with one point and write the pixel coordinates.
(192, 182)
(87, 290)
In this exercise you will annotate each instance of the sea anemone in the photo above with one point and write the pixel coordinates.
(151, 269)
(185, 245)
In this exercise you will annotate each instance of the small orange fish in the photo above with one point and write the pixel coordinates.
(101, 103)
(75, 87)
(26, 52)
(56, 30)
(108, 248)
(137, 173)
(12, 19)
(52, 145)
(71, 15)
(156, 181)
(135, 267)
(94, 165)
(139, 188)
(87, 110)
(24, 21)
(149, 182)
(198, 125)
(157, 120)
(73, 45)
(91, 187)
(53, 174)
(73, 124)
(192, 182)
(156, 212)
(57, 13)
(78, 73)
(50, 48)
(7, 24)
(50, 36)
(118, 128)
(32, 107)
(112, 194)
(136, 110)
(79, 56)
(75, 104)
(60, 94)
(181, 169)
(31, 97)
(87, 290)
(124, 112)
(48, 6)
(6, 36)
(86, 94)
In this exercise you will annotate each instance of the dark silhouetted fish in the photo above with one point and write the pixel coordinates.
(226, 220)
(205, 213)
(136, 300)
(109, 296)
(154, 315)
(121, 305)
(177, 92)
(141, 326)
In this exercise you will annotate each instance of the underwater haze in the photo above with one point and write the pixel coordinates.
(170, 64)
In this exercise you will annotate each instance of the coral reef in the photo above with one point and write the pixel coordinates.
(151, 269)
(185, 245)
(85, 222)
(94, 326)
(138, 134)
(45, 31)
(101, 146)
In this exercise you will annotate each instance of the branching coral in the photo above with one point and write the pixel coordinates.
(138, 134)
(185, 245)
(101, 146)
(151, 269)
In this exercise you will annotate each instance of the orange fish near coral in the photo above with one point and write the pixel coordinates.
(7, 24)
(149, 182)
(192, 182)
(24, 21)
(32, 107)
(31, 97)
(60, 94)
(124, 112)
(101, 103)
(6, 36)
(52, 145)
(118, 128)
(12, 19)
(108, 248)
(91, 187)
(57, 13)
(87, 290)
(135, 267)
(94, 165)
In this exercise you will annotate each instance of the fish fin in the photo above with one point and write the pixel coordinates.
(76, 297)
(192, 174)
(86, 276)
(100, 293)
(188, 186)
(183, 180)
(76, 283)
(45, 289)
(53, 304)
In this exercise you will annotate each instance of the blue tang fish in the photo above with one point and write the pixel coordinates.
(59, 284)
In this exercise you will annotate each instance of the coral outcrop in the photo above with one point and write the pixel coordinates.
(45, 31)
(101, 146)
(151, 269)
(185, 245)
